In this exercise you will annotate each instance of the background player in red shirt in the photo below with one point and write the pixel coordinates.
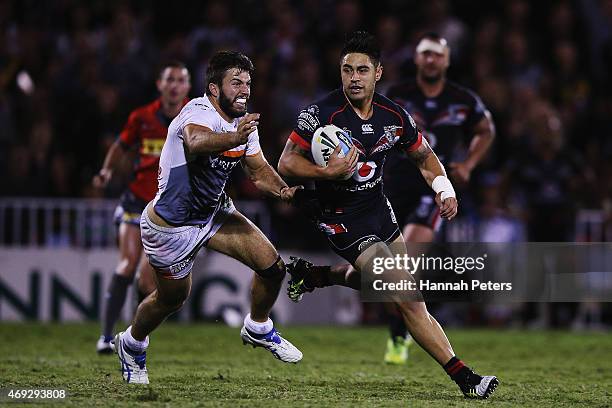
(146, 129)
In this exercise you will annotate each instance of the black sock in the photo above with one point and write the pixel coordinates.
(115, 298)
(397, 326)
(460, 373)
(318, 277)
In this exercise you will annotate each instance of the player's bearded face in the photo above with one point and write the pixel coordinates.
(431, 66)
(235, 92)
(359, 76)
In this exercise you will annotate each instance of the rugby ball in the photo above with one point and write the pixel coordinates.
(324, 142)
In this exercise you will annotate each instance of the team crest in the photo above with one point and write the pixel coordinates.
(386, 141)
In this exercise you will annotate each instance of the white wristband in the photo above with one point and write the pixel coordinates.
(441, 184)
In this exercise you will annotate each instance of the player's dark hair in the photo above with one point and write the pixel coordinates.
(169, 64)
(221, 62)
(363, 43)
(431, 35)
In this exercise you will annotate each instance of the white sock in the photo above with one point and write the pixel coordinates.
(256, 327)
(135, 345)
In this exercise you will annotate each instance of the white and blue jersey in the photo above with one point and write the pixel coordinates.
(191, 186)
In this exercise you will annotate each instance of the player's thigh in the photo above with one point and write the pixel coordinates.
(130, 248)
(146, 279)
(411, 301)
(239, 238)
(380, 249)
(364, 263)
(382, 254)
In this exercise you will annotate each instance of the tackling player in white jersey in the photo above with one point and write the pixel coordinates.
(208, 138)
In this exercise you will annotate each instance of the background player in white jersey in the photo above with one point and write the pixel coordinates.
(208, 138)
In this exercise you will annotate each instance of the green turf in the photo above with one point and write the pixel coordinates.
(208, 365)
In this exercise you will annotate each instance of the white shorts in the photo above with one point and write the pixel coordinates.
(172, 250)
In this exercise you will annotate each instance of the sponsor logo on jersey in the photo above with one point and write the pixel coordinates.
(366, 128)
(359, 187)
(178, 267)
(367, 243)
(152, 147)
(332, 229)
(365, 171)
(222, 163)
(308, 119)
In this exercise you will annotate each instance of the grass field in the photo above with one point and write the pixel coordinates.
(207, 365)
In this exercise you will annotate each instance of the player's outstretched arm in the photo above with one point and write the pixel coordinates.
(295, 162)
(267, 179)
(435, 175)
(114, 155)
(202, 140)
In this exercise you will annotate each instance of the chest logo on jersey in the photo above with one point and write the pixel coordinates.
(367, 129)
(388, 139)
(223, 163)
(385, 142)
(365, 171)
(152, 147)
(454, 115)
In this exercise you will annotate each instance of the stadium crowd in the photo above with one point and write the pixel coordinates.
(71, 71)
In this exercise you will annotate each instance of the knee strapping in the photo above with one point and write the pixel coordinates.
(276, 272)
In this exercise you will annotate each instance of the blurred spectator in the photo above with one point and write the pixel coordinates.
(548, 177)
(396, 51)
(598, 19)
(438, 18)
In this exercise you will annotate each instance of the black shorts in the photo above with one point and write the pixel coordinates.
(424, 212)
(350, 234)
(130, 209)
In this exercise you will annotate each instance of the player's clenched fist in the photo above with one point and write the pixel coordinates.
(448, 207)
(342, 167)
(246, 126)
